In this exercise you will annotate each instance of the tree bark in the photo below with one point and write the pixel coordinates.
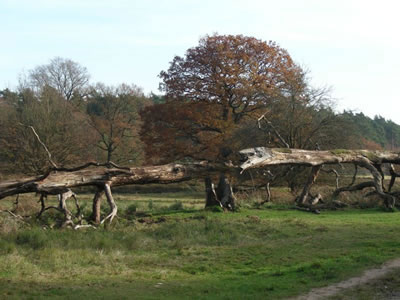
(60, 180)
(260, 157)
(225, 193)
(352, 188)
(96, 209)
(211, 195)
(393, 175)
(370, 160)
(307, 187)
(222, 195)
(111, 202)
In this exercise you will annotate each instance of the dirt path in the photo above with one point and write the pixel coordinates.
(322, 293)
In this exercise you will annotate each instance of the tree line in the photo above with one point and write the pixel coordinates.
(225, 94)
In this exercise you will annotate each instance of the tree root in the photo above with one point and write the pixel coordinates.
(305, 194)
(62, 207)
(393, 175)
(334, 172)
(111, 202)
(352, 188)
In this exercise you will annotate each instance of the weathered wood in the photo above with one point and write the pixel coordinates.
(370, 160)
(111, 202)
(393, 176)
(334, 172)
(225, 193)
(96, 209)
(307, 187)
(60, 181)
(352, 188)
(263, 157)
(211, 195)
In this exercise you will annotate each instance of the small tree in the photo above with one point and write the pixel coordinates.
(114, 114)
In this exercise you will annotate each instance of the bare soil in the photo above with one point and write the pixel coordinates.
(367, 277)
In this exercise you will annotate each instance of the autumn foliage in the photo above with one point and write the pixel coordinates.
(210, 91)
(178, 130)
(241, 74)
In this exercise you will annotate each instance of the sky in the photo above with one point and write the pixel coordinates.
(352, 46)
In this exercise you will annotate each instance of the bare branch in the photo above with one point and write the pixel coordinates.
(43, 145)
(276, 132)
(334, 172)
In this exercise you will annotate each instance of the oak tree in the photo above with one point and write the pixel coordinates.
(210, 92)
(238, 73)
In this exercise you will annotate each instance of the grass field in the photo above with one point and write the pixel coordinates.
(166, 246)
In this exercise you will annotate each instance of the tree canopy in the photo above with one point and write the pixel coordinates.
(239, 73)
(64, 75)
(211, 90)
(113, 112)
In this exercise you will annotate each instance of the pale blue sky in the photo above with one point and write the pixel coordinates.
(351, 45)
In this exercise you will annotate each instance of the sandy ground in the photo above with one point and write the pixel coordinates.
(367, 276)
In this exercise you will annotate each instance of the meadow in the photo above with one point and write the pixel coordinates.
(165, 245)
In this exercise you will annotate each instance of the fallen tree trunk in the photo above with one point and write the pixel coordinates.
(263, 157)
(371, 160)
(60, 180)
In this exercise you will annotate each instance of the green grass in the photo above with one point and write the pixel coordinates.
(175, 250)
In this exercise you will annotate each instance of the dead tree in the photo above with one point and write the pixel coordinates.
(104, 177)
(370, 160)
(62, 206)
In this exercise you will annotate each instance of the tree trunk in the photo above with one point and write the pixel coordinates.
(60, 180)
(222, 195)
(211, 195)
(370, 160)
(225, 193)
(96, 211)
(111, 202)
(307, 187)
